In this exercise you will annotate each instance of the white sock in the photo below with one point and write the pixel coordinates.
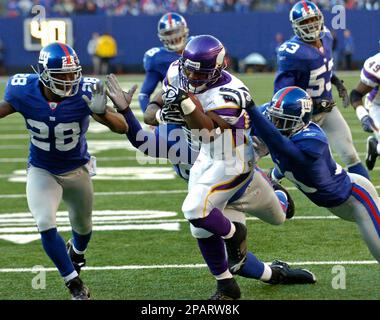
(71, 276)
(267, 273)
(231, 233)
(225, 275)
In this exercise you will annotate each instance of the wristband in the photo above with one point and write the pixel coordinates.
(187, 106)
(361, 112)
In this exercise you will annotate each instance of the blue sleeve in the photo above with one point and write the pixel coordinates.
(11, 97)
(311, 145)
(152, 78)
(274, 140)
(146, 141)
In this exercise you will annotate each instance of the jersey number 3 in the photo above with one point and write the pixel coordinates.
(63, 132)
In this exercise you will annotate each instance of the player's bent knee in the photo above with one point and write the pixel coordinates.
(194, 205)
(199, 233)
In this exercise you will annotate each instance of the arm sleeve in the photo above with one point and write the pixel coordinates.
(146, 141)
(152, 78)
(274, 140)
(10, 97)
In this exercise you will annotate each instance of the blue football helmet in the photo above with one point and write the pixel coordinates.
(59, 69)
(201, 63)
(307, 21)
(173, 31)
(290, 110)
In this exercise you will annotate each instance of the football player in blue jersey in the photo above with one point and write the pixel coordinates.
(173, 33)
(300, 150)
(259, 199)
(306, 61)
(56, 103)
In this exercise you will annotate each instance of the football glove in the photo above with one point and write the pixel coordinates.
(323, 105)
(98, 102)
(120, 98)
(342, 91)
(241, 97)
(169, 114)
(174, 96)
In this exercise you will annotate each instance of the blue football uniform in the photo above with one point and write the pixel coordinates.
(156, 63)
(304, 66)
(57, 129)
(306, 160)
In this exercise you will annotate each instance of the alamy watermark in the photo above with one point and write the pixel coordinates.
(338, 282)
(39, 281)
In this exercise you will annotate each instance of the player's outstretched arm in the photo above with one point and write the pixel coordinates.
(146, 141)
(356, 99)
(6, 109)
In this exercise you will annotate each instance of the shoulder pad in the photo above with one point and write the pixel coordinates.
(150, 58)
(370, 74)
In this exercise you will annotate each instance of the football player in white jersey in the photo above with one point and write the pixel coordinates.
(224, 167)
(369, 112)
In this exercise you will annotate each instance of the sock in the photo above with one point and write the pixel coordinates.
(55, 248)
(359, 169)
(214, 253)
(80, 242)
(281, 195)
(215, 223)
(252, 268)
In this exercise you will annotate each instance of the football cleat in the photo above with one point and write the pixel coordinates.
(371, 156)
(283, 274)
(227, 289)
(237, 248)
(291, 206)
(78, 260)
(78, 289)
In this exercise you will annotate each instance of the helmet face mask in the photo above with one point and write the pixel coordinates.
(307, 21)
(290, 110)
(202, 63)
(59, 69)
(173, 31)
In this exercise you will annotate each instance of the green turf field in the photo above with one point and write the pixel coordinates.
(141, 246)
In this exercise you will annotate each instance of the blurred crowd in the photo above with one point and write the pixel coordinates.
(14, 8)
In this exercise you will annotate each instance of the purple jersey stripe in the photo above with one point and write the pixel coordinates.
(373, 94)
(228, 112)
(371, 76)
(232, 184)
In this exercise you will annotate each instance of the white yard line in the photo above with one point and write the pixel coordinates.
(183, 266)
(127, 193)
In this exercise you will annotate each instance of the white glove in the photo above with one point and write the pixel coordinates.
(98, 103)
(120, 98)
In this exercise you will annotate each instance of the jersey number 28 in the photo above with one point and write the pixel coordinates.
(62, 133)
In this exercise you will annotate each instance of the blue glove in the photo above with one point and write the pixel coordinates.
(368, 124)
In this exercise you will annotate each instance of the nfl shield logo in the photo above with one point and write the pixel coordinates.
(53, 105)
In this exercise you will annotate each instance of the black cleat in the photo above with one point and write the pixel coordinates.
(237, 248)
(227, 289)
(78, 289)
(283, 274)
(78, 260)
(371, 156)
(291, 206)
